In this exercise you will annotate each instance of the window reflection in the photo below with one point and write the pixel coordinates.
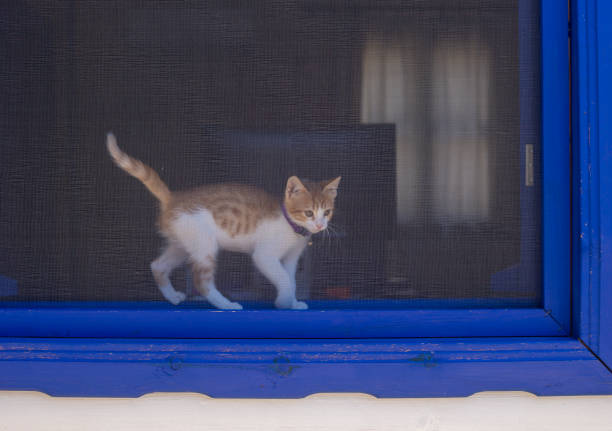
(460, 156)
(390, 95)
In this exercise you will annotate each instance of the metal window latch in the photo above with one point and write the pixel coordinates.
(529, 180)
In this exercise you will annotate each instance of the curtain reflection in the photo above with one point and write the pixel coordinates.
(441, 118)
(460, 156)
(389, 95)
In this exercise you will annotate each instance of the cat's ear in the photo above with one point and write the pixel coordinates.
(331, 188)
(294, 187)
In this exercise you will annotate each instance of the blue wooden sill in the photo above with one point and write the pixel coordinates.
(326, 319)
(290, 368)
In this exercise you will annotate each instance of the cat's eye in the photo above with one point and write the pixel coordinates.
(326, 213)
(308, 213)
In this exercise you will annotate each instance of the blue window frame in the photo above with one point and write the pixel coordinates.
(557, 348)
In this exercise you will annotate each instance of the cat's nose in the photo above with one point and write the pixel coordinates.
(319, 225)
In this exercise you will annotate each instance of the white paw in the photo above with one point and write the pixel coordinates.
(291, 304)
(284, 304)
(231, 306)
(299, 305)
(175, 297)
(223, 306)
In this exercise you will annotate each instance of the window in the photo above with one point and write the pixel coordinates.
(448, 267)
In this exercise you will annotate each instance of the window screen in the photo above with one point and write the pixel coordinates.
(429, 110)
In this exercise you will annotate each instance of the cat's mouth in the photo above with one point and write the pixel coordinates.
(317, 229)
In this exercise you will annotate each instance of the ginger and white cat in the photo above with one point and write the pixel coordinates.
(197, 223)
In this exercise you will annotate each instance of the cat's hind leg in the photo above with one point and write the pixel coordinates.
(204, 282)
(197, 238)
(163, 266)
(203, 279)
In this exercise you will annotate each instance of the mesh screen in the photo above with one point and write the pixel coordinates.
(428, 109)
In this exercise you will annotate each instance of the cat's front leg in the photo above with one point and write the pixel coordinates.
(290, 263)
(271, 267)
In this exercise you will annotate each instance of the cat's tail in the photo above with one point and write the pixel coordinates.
(138, 170)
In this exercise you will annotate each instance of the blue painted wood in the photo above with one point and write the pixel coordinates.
(272, 369)
(592, 92)
(556, 207)
(583, 187)
(604, 145)
(189, 321)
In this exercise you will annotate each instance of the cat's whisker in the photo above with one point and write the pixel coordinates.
(332, 230)
(328, 235)
(336, 230)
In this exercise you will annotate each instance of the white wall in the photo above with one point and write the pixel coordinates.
(501, 411)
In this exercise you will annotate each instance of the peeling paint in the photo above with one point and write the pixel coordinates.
(283, 367)
(427, 359)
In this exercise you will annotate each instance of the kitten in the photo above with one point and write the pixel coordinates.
(197, 223)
